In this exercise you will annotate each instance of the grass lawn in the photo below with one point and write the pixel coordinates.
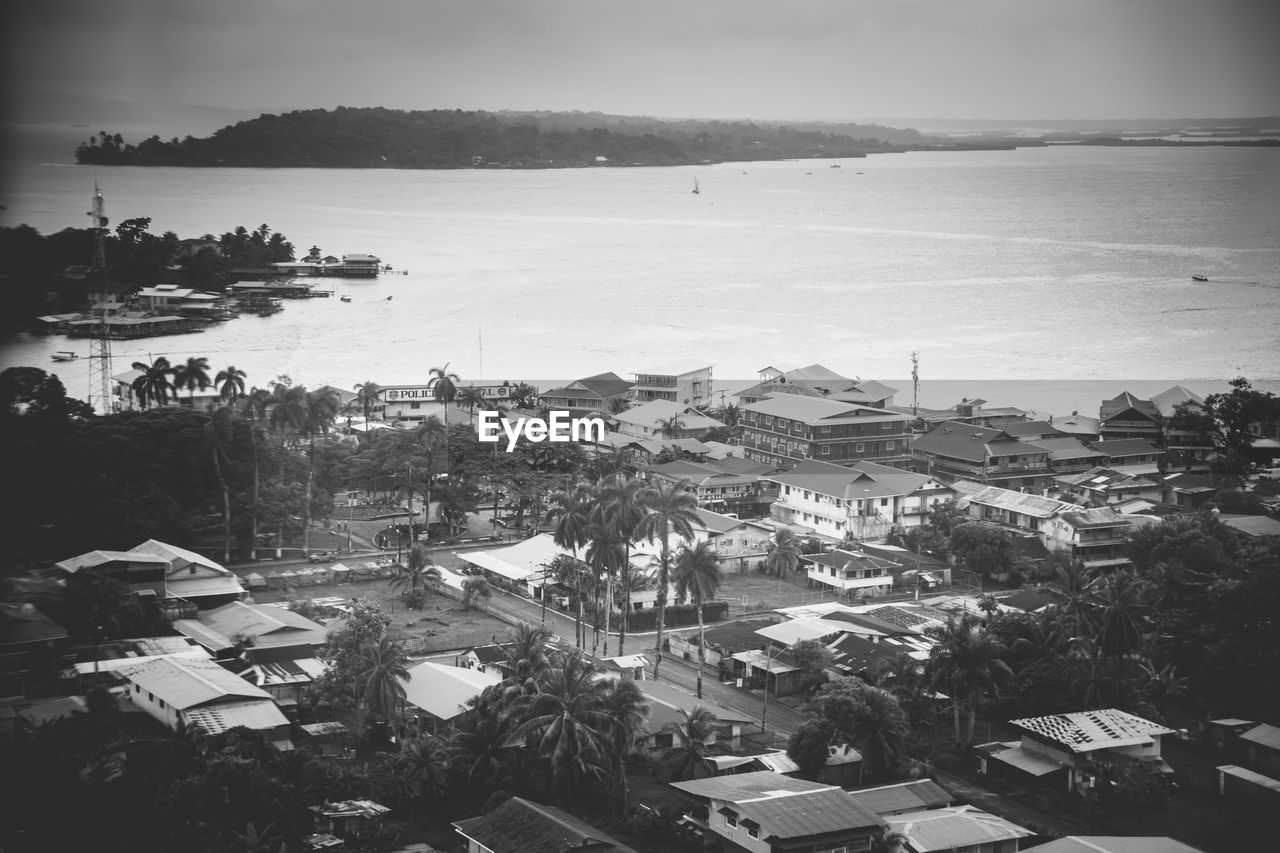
(762, 592)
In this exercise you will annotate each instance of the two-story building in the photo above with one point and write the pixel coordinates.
(664, 419)
(726, 484)
(1096, 537)
(1130, 455)
(864, 500)
(1103, 487)
(174, 299)
(783, 429)
(766, 812)
(687, 382)
(1068, 454)
(852, 574)
(1127, 416)
(1186, 430)
(818, 381)
(741, 544)
(126, 397)
(954, 451)
(1062, 750)
(594, 395)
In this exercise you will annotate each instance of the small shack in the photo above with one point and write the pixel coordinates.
(255, 581)
(339, 573)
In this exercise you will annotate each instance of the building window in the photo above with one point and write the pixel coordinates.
(857, 448)
(730, 819)
(826, 427)
(888, 445)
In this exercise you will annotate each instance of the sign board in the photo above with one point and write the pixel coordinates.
(411, 393)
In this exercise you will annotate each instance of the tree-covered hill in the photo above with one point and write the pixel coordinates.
(453, 139)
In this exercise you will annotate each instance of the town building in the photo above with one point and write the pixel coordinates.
(763, 812)
(126, 397)
(1127, 416)
(687, 382)
(865, 500)
(954, 451)
(188, 692)
(670, 706)
(782, 429)
(1191, 491)
(956, 829)
(901, 797)
(662, 419)
(741, 544)
(437, 694)
(491, 658)
(817, 381)
(1068, 454)
(164, 571)
(1186, 430)
(1104, 487)
(726, 485)
(851, 574)
(1130, 455)
(1062, 750)
(598, 395)
(523, 826)
(175, 299)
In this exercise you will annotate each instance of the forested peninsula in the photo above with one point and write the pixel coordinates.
(349, 137)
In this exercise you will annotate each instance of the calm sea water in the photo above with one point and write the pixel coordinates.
(1065, 270)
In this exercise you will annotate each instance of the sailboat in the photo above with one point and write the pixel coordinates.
(695, 186)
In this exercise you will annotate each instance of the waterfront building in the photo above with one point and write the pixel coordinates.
(1127, 416)
(817, 381)
(594, 395)
(864, 500)
(783, 429)
(651, 420)
(954, 451)
(175, 299)
(687, 382)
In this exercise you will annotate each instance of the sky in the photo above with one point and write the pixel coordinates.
(732, 59)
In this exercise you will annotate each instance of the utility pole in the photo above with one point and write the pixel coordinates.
(768, 667)
(100, 342)
(915, 386)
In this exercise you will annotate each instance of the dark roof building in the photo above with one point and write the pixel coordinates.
(523, 826)
(954, 451)
(1127, 416)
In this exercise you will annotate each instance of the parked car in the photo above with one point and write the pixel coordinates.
(323, 556)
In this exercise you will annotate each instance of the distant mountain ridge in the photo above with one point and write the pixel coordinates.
(376, 137)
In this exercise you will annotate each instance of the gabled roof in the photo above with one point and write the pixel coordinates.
(1008, 499)
(1263, 734)
(179, 558)
(71, 565)
(814, 410)
(1124, 447)
(1124, 403)
(1100, 517)
(714, 522)
(1036, 428)
(858, 482)
(842, 559)
(602, 386)
(969, 442)
(21, 624)
(739, 787)
(254, 714)
(523, 826)
(1165, 401)
(1077, 424)
(812, 813)
(665, 702)
(1064, 448)
(902, 797)
(491, 653)
(1252, 525)
(855, 654)
(736, 636)
(1116, 844)
(650, 413)
(1103, 479)
(442, 691)
(188, 683)
(1086, 731)
(267, 626)
(952, 828)
(1188, 483)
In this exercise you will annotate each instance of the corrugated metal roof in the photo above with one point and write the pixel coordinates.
(1089, 730)
(954, 827)
(812, 813)
(1116, 844)
(188, 683)
(747, 786)
(903, 797)
(442, 690)
(1263, 734)
(257, 714)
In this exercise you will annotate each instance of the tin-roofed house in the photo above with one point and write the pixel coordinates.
(956, 829)
(523, 826)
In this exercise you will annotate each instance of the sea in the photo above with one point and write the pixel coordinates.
(1046, 278)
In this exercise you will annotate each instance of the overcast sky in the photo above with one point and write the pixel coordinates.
(780, 59)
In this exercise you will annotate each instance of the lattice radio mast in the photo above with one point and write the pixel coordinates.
(100, 342)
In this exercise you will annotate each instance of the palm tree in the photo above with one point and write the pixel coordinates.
(432, 436)
(628, 708)
(230, 382)
(965, 664)
(287, 415)
(419, 573)
(784, 553)
(445, 389)
(381, 677)
(694, 736)
(669, 427)
(569, 511)
(1072, 583)
(155, 385)
(527, 650)
(219, 436)
(192, 376)
(485, 753)
(606, 554)
(697, 577)
(622, 503)
(322, 410)
(879, 731)
(367, 397)
(471, 397)
(671, 508)
(1120, 605)
(255, 405)
(569, 723)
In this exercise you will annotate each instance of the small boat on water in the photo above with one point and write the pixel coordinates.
(1199, 278)
(64, 356)
(345, 298)
(695, 187)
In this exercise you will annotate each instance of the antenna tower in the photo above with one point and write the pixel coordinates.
(915, 385)
(100, 343)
